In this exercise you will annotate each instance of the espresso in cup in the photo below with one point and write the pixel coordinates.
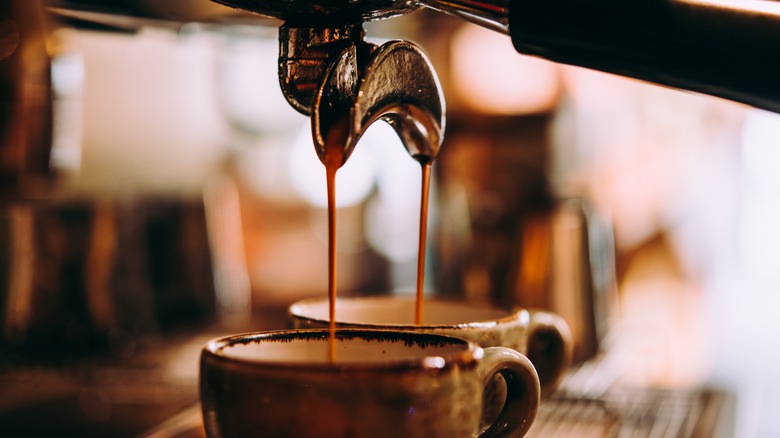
(377, 384)
(542, 336)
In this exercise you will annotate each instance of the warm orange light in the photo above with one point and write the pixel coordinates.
(761, 6)
(492, 78)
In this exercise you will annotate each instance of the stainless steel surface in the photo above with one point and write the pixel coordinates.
(335, 11)
(398, 85)
(594, 402)
(305, 54)
(132, 15)
(572, 249)
(638, 413)
(345, 83)
(492, 14)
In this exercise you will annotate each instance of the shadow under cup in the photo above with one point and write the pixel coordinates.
(376, 383)
(542, 336)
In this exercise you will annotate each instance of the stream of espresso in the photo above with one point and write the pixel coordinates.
(334, 158)
(425, 165)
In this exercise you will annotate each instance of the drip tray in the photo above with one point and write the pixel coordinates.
(639, 413)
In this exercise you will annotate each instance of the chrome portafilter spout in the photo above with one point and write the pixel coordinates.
(346, 84)
(397, 85)
(327, 71)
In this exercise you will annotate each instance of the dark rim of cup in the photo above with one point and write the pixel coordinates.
(467, 356)
(513, 314)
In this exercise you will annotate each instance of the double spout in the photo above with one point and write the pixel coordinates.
(346, 84)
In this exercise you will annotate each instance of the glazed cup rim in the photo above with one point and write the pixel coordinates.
(513, 313)
(468, 355)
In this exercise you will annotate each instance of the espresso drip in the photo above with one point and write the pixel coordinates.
(425, 165)
(334, 159)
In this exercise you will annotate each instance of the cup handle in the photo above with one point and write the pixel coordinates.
(522, 395)
(549, 348)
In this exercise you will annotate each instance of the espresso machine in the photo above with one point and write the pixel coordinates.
(329, 67)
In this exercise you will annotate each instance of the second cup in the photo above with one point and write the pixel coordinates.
(542, 336)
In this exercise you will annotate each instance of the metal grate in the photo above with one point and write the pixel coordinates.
(641, 413)
(571, 417)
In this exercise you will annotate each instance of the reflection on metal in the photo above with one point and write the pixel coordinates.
(636, 413)
(397, 85)
(314, 11)
(305, 53)
(493, 14)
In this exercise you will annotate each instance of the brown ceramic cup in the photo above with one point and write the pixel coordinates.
(542, 336)
(375, 384)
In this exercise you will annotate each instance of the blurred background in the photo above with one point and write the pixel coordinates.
(190, 203)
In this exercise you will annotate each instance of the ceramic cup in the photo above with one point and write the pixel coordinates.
(375, 384)
(541, 336)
